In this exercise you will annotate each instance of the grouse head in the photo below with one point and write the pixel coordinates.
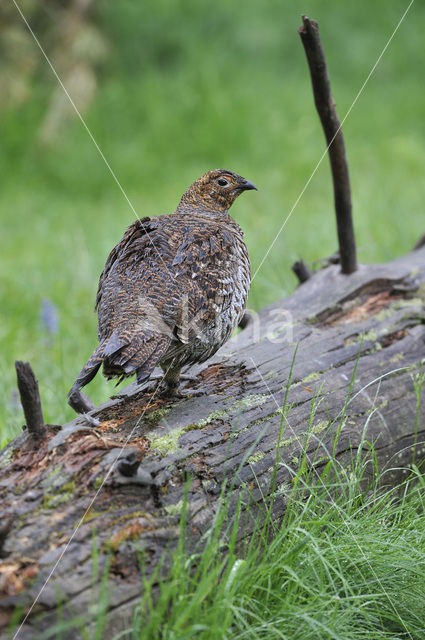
(214, 192)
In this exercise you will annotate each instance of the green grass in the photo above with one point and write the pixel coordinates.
(188, 87)
(343, 569)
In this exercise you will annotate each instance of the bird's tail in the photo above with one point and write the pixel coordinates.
(89, 370)
(123, 354)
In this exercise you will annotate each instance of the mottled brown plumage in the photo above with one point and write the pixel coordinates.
(174, 288)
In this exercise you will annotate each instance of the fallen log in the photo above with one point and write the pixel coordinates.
(125, 479)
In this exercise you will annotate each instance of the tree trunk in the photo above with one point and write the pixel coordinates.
(57, 490)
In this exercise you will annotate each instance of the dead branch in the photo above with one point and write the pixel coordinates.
(310, 37)
(30, 398)
(301, 270)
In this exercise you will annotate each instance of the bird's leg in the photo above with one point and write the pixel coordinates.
(171, 381)
(166, 384)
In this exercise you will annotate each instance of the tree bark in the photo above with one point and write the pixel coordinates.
(125, 480)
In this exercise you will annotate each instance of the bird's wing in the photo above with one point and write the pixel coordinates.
(135, 231)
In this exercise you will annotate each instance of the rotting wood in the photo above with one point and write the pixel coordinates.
(325, 105)
(144, 448)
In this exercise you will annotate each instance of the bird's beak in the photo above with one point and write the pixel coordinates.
(247, 185)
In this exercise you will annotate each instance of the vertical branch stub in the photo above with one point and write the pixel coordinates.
(301, 270)
(30, 398)
(310, 37)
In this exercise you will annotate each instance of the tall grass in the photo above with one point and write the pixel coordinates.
(343, 568)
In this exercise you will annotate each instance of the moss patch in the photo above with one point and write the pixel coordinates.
(312, 377)
(215, 415)
(92, 515)
(385, 313)
(370, 336)
(98, 482)
(156, 416)
(256, 457)
(167, 443)
(421, 292)
(174, 509)
(54, 472)
(408, 302)
(256, 400)
(396, 357)
(319, 427)
(64, 493)
(6, 458)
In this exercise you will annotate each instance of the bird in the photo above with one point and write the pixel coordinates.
(174, 288)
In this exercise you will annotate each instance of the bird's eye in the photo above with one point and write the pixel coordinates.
(223, 182)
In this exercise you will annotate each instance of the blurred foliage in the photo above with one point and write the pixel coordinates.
(69, 36)
(168, 91)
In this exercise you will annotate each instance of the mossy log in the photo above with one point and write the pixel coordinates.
(120, 485)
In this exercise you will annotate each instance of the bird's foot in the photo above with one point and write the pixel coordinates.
(165, 390)
(161, 389)
(179, 393)
(187, 378)
(184, 377)
(172, 395)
